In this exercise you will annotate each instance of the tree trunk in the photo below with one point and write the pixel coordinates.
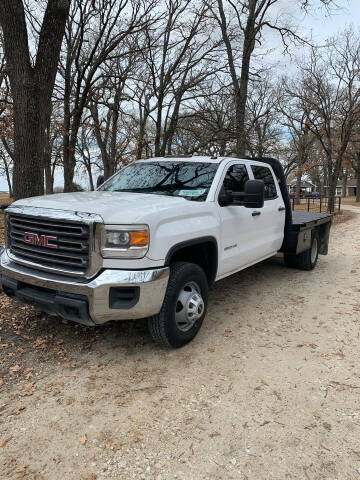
(240, 89)
(170, 131)
(47, 168)
(113, 136)
(31, 87)
(358, 178)
(68, 176)
(142, 127)
(331, 193)
(91, 181)
(345, 181)
(298, 187)
(28, 171)
(8, 177)
(243, 93)
(157, 142)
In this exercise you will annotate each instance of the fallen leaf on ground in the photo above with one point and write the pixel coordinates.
(271, 446)
(15, 369)
(18, 410)
(4, 442)
(277, 395)
(29, 390)
(83, 439)
(327, 426)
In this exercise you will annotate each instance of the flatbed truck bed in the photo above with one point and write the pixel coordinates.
(302, 220)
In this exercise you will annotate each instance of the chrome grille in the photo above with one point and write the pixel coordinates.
(72, 250)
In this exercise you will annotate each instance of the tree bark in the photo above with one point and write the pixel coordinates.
(248, 48)
(7, 174)
(68, 177)
(142, 129)
(31, 87)
(240, 88)
(358, 178)
(345, 181)
(298, 187)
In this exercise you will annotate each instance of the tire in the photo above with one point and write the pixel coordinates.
(307, 260)
(184, 306)
(290, 260)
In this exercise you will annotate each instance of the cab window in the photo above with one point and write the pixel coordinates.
(235, 178)
(264, 174)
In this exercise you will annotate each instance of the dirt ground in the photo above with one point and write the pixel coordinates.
(270, 388)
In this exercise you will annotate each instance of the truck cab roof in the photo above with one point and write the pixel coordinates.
(200, 159)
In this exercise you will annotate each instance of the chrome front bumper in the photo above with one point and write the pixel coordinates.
(152, 287)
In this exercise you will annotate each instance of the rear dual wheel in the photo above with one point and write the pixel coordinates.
(306, 260)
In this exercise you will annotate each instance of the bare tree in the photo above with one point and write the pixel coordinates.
(105, 106)
(180, 56)
(328, 92)
(32, 86)
(263, 128)
(92, 38)
(251, 17)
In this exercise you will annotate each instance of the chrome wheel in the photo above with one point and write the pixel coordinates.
(189, 306)
(314, 250)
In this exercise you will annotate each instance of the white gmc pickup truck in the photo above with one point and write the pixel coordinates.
(152, 239)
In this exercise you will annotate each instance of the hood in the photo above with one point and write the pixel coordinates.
(113, 207)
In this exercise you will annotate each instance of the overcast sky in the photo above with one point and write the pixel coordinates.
(315, 24)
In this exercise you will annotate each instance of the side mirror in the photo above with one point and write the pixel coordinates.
(254, 194)
(225, 198)
(100, 180)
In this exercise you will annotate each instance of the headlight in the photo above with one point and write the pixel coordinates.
(124, 241)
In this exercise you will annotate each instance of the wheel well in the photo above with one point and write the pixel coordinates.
(203, 253)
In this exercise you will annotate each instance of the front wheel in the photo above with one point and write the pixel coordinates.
(184, 306)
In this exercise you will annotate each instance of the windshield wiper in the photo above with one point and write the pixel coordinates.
(146, 190)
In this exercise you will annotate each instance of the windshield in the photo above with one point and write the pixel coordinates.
(190, 180)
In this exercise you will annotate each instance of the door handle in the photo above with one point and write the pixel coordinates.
(256, 214)
(281, 209)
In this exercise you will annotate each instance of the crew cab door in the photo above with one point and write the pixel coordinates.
(271, 221)
(239, 228)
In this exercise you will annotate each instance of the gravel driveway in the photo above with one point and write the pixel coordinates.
(270, 388)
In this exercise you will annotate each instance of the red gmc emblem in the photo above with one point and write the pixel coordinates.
(40, 241)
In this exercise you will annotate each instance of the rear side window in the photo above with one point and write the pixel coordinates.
(235, 178)
(264, 174)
